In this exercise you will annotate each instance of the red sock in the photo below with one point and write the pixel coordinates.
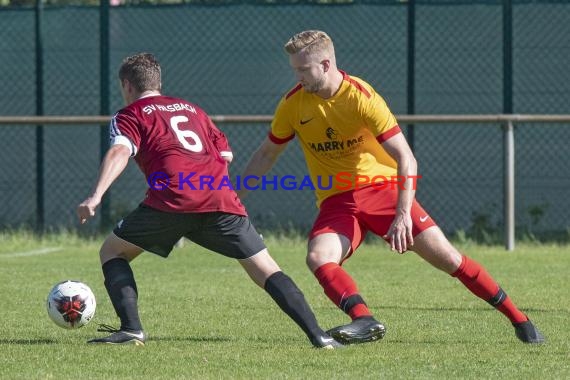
(480, 283)
(339, 286)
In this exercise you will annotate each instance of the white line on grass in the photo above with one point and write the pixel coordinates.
(35, 252)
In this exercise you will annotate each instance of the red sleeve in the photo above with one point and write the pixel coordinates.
(389, 133)
(277, 140)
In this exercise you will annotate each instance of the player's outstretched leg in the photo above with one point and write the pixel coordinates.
(292, 301)
(122, 289)
(433, 246)
(265, 272)
(342, 291)
(480, 283)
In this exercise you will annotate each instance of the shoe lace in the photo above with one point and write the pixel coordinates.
(107, 328)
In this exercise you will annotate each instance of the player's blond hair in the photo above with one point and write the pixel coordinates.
(311, 42)
(142, 71)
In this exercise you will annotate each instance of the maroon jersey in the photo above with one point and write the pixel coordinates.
(179, 150)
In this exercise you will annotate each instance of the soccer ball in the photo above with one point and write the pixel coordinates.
(71, 304)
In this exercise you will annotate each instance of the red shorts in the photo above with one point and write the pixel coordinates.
(354, 213)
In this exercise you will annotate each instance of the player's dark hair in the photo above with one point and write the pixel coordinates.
(142, 71)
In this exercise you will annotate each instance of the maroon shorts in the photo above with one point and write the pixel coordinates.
(354, 213)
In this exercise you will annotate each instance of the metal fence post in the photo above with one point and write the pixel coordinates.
(40, 212)
(104, 95)
(507, 57)
(509, 140)
(509, 186)
(411, 69)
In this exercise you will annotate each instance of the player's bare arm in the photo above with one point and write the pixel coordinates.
(262, 161)
(112, 166)
(400, 232)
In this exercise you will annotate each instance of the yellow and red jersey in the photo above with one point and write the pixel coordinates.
(340, 136)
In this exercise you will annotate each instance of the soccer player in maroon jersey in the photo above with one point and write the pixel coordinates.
(345, 127)
(184, 158)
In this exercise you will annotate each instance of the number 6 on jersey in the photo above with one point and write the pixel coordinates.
(183, 135)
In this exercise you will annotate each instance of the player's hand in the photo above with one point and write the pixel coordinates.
(400, 233)
(86, 209)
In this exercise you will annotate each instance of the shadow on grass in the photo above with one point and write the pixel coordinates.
(466, 309)
(446, 342)
(27, 342)
(31, 342)
(189, 339)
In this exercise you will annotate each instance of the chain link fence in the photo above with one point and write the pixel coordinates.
(229, 60)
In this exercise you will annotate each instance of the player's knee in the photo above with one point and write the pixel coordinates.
(451, 258)
(455, 260)
(107, 255)
(314, 260)
(110, 250)
(447, 261)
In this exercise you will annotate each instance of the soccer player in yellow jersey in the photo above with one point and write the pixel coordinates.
(365, 177)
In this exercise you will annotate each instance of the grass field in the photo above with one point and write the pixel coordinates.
(206, 320)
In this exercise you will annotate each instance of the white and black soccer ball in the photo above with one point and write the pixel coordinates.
(71, 304)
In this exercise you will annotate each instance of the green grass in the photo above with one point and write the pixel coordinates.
(206, 319)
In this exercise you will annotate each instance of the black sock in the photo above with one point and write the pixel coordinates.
(122, 288)
(292, 301)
